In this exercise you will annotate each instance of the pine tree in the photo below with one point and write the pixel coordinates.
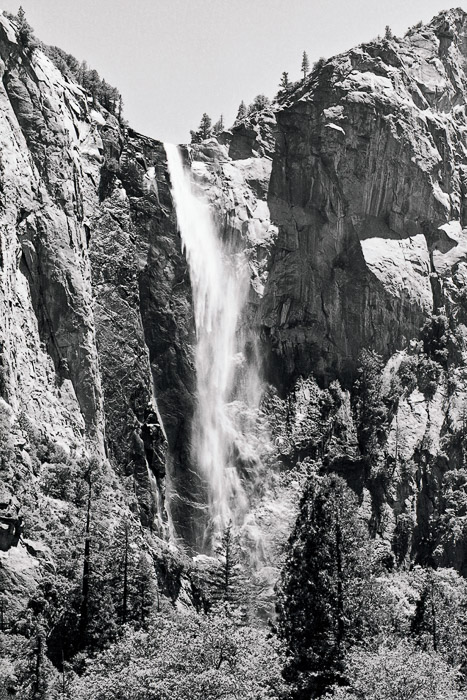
(225, 583)
(439, 623)
(242, 112)
(128, 577)
(227, 553)
(204, 130)
(369, 404)
(25, 32)
(93, 471)
(305, 67)
(145, 591)
(322, 592)
(285, 83)
(218, 127)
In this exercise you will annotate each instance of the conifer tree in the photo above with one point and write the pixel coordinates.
(320, 601)
(25, 31)
(204, 130)
(305, 67)
(242, 112)
(218, 127)
(145, 593)
(92, 473)
(369, 404)
(439, 623)
(285, 82)
(225, 582)
(227, 552)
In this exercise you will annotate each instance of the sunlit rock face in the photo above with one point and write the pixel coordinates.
(368, 192)
(73, 356)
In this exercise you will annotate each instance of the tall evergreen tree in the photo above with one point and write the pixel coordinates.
(204, 130)
(93, 471)
(230, 581)
(305, 67)
(369, 404)
(322, 591)
(439, 623)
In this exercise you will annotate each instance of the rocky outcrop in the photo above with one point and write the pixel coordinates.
(10, 520)
(88, 297)
(367, 190)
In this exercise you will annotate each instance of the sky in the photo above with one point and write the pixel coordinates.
(172, 60)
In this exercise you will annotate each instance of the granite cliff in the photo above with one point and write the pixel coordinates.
(348, 198)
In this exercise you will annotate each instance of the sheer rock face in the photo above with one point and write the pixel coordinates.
(369, 170)
(74, 259)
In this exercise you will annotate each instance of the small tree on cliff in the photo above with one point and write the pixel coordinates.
(25, 32)
(320, 599)
(204, 130)
(370, 408)
(242, 112)
(285, 82)
(260, 102)
(305, 67)
(218, 127)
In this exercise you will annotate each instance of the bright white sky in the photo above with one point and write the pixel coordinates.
(172, 60)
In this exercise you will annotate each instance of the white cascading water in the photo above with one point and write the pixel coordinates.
(220, 282)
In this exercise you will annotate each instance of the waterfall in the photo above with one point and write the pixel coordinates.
(226, 382)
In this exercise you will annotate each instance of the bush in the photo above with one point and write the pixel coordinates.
(398, 671)
(63, 480)
(185, 656)
(319, 64)
(407, 373)
(435, 337)
(259, 103)
(428, 374)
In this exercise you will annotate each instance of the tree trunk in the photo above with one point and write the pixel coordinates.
(83, 619)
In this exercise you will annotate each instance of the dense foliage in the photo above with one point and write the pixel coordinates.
(185, 656)
(325, 583)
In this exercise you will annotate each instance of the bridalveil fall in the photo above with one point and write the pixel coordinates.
(228, 384)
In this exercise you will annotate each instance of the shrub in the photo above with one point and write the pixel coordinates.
(259, 103)
(428, 374)
(398, 670)
(435, 336)
(317, 65)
